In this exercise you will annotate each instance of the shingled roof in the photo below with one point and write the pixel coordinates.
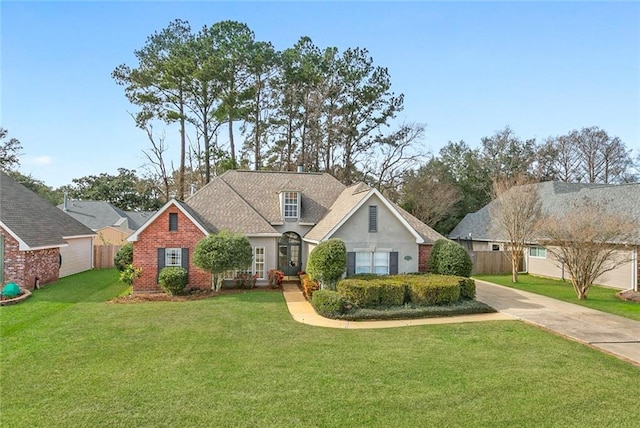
(557, 199)
(249, 202)
(99, 214)
(32, 220)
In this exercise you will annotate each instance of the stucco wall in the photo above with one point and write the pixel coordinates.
(77, 256)
(391, 234)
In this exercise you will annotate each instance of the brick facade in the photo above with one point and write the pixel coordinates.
(157, 235)
(424, 252)
(29, 268)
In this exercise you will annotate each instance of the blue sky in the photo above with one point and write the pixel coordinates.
(466, 69)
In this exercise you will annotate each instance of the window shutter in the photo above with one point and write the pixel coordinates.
(373, 218)
(173, 222)
(393, 263)
(351, 263)
(185, 261)
(160, 262)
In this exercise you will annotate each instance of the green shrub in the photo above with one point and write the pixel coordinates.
(173, 279)
(365, 276)
(359, 292)
(124, 257)
(129, 274)
(433, 290)
(452, 259)
(327, 262)
(434, 255)
(328, 303)
(467, 289)
(392, 291)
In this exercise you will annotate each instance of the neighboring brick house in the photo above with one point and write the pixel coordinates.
(284, 215)
(477, 232)
(38, 242)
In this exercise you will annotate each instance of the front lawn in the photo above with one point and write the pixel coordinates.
(601, 298)
(70, 359)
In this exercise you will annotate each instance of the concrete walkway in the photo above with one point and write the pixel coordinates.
(303, 312)
(612, 334)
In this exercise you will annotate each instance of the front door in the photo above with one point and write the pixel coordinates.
(289, 250)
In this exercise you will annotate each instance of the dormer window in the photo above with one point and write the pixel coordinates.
(291, 204)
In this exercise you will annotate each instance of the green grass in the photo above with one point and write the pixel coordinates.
(601, 298)
(70, 359)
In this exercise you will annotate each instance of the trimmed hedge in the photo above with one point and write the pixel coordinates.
(328, 303)
(359, 292)
(173, 279)
(434, 290)
(467, 289)
(434, 256)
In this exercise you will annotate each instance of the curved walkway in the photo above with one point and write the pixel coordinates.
(303, 312)
(612, 334)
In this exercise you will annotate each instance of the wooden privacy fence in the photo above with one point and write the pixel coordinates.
(103, 255)
(490, 262)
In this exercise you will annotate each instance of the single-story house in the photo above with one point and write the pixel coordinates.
(476, 231)
(284, 215)
(38, 242)
(112, 225)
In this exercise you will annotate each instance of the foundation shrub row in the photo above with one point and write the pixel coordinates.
(372, 291)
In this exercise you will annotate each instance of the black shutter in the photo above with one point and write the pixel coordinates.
(351, 263)
(160, 262)
(393, 263)
(185, 260)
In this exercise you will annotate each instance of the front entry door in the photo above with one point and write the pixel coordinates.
(289, 250)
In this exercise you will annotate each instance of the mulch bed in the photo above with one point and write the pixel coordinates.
(193, 295)
(631, 296)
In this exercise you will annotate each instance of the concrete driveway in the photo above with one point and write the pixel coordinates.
(612, 334)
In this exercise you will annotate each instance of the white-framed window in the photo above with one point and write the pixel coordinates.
(173, 257)
(257, 265)
(259, 262)
(495, 247)
(290, 200)
(381, 263)
(372, 262)
(540, 252)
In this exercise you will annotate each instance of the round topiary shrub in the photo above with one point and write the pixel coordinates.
(124, 257)
(173, 279)
(434, 255)
(327, 262)
(454, 260)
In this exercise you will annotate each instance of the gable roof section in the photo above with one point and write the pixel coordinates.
(186, 210)
(354, 197)
(33, 221)
(260, 190)
(558, 199)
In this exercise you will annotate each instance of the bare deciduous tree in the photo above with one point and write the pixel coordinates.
(587, 241)
(514, 213)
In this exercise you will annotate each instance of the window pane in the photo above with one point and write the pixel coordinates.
(363, 262)
(259, 262)
(381, 263)
(173, 257)
(291, 204)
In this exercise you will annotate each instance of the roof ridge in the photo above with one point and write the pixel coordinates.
(244, 201)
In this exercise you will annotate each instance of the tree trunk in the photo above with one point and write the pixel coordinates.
(515, 264)
(232, 146)
(183, 149)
